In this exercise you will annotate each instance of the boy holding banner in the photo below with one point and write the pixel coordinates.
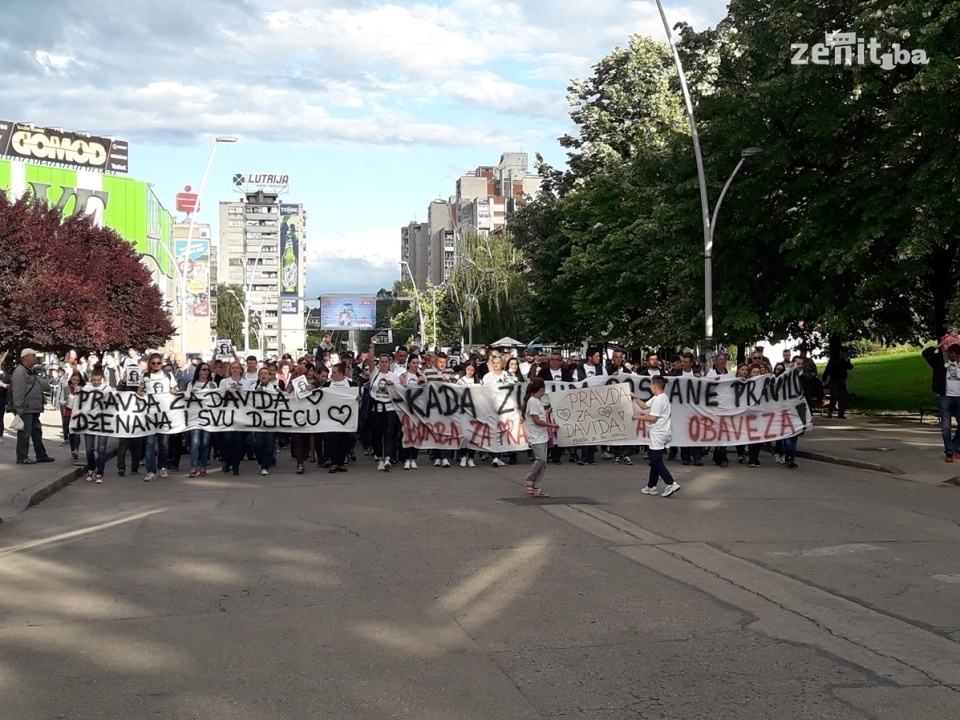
(658, 413)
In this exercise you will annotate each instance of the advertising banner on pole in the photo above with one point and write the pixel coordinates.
(291, 235)
(197, 270)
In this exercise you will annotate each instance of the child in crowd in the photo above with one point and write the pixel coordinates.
(537, 427)
(658, 413)
(96, 461)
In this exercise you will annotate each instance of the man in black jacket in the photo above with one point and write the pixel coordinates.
(945, 362)
(835, 377)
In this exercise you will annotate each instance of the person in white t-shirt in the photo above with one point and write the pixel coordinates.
(233, 442)
(412, 377)
(265, 441)
(537, 427)
(157, 382)
(496, 375)
(660, 432)
(96, 460)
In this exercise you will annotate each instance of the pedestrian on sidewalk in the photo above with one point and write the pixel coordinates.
(4, 385)
(26, 399)
(96, 445)
(660, 432)
(835, 377)
(69, 400)
(538, 435)
(944, 359)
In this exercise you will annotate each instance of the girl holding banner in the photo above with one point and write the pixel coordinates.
(200, 439)
(234, 442)
(157, 382)
(265, 441)
(340, 443)
(412, 378)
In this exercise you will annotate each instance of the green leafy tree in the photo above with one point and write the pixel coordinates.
(230, 299)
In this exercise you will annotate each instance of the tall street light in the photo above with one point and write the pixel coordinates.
(702, 180)
(708, 247)
(416, 294)
(472, 297)
(182, 275)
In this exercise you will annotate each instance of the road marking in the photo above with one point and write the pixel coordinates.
(784, 608)
(952, 579)
(848, 549)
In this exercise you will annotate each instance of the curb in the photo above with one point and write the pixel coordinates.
(29, 497)
(860, 464)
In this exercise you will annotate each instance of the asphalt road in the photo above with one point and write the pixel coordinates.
(821, 592)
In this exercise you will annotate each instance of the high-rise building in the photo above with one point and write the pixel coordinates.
(263, 249)
(483, 201)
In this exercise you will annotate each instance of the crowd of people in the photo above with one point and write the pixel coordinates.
(379, 433)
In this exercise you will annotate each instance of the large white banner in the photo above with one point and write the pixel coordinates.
(703, 412)
(126, 414)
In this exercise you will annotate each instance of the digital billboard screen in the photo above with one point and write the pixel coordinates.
(348, 312)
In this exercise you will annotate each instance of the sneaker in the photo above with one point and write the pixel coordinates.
(203, 472)
(471, 463)
(671, 489)
(74, 456)
(446, 463)
(649, 491)
(581, 462)
(617, 460)
(741, 459)
(463, 461)
(63, 443)
(99, 480)
(264, 471)
(121, 473)
(792, 464)
(496, 462)
(948, 458)
(45, 459)
(413, 465)
(436, 463)
(300, 469)
(89, 475)
(163, 472)
(406, 464)
(386, 466)
(148, 477)
(627, 461)
(193, 472)
(380, 465)
(778, 459)
(605, 455)
(753, 464)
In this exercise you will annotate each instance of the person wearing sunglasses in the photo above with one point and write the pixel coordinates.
(157, 382)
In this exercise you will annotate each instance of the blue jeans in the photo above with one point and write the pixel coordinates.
(154, 462)
(199, 448)
(789, 446)
(657, 468)
(949, 410)
(265, 448)
(96, 461)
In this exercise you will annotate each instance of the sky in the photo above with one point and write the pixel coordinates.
(372, 108)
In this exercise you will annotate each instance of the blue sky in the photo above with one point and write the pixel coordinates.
(372, 108)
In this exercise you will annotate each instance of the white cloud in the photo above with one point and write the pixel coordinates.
(54, 64)
(379, 246)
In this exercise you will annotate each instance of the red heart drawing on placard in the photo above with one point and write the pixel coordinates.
(563, 414)
(606, 411)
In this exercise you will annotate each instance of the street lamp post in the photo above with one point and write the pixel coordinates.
(471, 296)
(702, 181)
(182, 272)
(416, 294)
(708, 247)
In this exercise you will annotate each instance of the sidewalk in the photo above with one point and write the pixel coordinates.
(893, 445)
(22, 486)
(896, 445)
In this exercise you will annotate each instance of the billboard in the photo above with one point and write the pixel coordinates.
(251, 182)
(291, 255)
(24, 141)
(348, 312)
(197, 270)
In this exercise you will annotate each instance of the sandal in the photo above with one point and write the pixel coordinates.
(539, 493)
(529, 488)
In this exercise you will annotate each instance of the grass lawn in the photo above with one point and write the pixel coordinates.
(897, 383)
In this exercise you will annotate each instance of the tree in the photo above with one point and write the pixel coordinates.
(68, 284)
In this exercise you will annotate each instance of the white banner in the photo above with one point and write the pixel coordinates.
(594, 415)
(703, 412)
(126, 414)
